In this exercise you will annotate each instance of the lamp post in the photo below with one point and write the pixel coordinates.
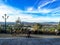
(5, 17)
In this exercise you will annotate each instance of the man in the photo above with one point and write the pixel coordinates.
(28, 34)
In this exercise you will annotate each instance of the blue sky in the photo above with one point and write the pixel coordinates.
(30, 10)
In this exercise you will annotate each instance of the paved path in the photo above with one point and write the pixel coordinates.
(29, 41)
(32, 35)
(46, 36)
(8, 39)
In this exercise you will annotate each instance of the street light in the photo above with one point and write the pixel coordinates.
(5, 17)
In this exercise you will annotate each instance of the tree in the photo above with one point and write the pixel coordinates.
(52, 29)
(18, 25)
(58, 26)
(0, 28)
(37, 26)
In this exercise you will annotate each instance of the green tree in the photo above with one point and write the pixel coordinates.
(52, 29)
(18, 26)
(37, 26)
(58, 26)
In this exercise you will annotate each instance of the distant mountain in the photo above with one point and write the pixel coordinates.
(50, 23)
(7, 23)
(31, 23)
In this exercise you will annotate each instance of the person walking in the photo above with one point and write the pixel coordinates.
(28, 34)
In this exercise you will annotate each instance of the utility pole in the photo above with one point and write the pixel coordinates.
(5, 18)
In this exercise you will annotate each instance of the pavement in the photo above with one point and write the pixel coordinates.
(8, 39)
(29, 41)
(31, 36)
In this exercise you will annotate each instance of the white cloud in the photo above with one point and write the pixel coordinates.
(30, 9)
(55, 12)
(23, 17)
(10, 11)
(39, 8)
(46, 3)
(4, 9)
(43, 19)
(43, 11)
(43, 5)
(14, 13)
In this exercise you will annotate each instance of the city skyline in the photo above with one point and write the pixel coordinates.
(30, 10)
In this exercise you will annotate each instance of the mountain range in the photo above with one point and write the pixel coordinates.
(28, 23)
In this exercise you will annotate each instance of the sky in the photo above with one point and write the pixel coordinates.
(30, 10)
